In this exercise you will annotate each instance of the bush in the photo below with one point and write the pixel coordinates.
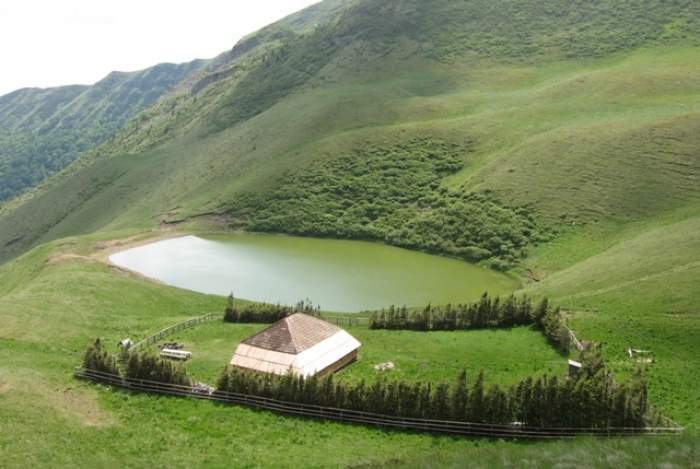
(486, 313)
(394, 194)
(97, 359)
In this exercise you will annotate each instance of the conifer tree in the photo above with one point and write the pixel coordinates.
(424, 401)
(441, 405)
(541, 311)
(476, 399)
(509, 312)
(459, 397)
(96, 358)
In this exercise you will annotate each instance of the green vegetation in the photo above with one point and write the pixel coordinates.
(55, 299)
(393, 195)
(585, 114)
(487, 313)
(98, 359)
(505, 355)
(264, 313)
(637, 291)
(43, 131)
(153, 368)
(591, 399)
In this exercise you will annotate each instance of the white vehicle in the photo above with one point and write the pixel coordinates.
(175, 354)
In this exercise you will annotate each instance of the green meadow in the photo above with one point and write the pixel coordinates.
(557, 141)
(58, 298)
(505, 356)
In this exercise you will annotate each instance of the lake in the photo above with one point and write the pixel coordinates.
(338, 275)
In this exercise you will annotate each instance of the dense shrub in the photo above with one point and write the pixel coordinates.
(486, 313)
(589, 399)
(393, 194)
(96, 358)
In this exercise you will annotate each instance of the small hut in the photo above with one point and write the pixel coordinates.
(300, 344)
(574, 367)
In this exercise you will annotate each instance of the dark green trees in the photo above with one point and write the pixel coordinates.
(486, 313)
(589, 400)
(138, 366)
(152, 368)
(97, 359)
(265, 313)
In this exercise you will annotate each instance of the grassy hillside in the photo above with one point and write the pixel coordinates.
(57, 298)
(640, 292)
(43, 130)
(556, 139)
(571, 142)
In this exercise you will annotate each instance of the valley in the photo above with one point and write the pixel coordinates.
(363, 153)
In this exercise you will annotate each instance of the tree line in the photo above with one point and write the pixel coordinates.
(96, 358)
(393, 193)
(589, 399)
(486, 313)
(141, 366)
(265, 313)
(150, 367)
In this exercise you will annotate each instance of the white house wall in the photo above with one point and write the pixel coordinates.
(325, 353)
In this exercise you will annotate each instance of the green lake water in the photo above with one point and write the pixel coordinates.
(338, 275)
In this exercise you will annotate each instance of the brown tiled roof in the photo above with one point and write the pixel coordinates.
(293, 334)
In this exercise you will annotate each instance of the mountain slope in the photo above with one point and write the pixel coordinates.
(559, 139)
(44, 130)
(373, 73)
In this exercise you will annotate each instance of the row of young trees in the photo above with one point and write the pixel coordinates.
(96, 358)
(138, 366)
(588, 399)
(591, 399)
(153, 368)
(486, 313)
(265, 313)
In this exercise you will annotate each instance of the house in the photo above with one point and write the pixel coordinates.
(300, 344)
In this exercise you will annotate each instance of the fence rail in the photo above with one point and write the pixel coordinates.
(150, 340)
(366, 418)
(346, 320)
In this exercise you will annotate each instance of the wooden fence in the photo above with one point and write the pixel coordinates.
(366, 418)
(347, 320)
(172, 329)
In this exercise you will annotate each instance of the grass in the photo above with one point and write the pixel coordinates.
(52, 305)
(640, 291)
(588, 117)
(432, 356)
(592, 141)
(389, 194)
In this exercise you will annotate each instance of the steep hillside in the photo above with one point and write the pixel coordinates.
(550, 120)
(556, 139)
(44, 130)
